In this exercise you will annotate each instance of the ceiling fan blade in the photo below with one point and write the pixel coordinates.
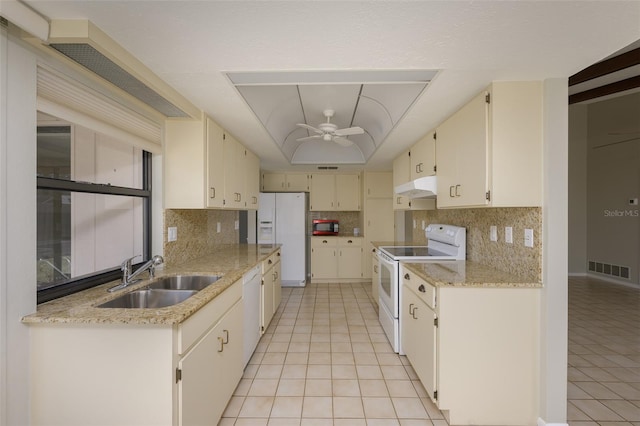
(349, 131)
(313, 129)
(307, 138)
(342, 141)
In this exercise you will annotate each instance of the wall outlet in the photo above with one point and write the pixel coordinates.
(415, 224)
(493, 233)
(424, 225)
(172, 233)
(528, 237)
(218, 227)
(236, 225)
(508, 235)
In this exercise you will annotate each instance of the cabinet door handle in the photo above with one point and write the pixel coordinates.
(288, 184)
(270, 262)
(375, 268)
(373, 250)
(413, 314)
(221, 340)
(275, 276)
(411, 305)
(457, 192)
(349, 241)
(451, 191)
(406, 276)
(397, 200)
(421, 289)
(212, 192)
(324, 241)
(226, 336)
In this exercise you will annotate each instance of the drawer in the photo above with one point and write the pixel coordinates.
(426, 292)
(270, 261)
(350, 241)
(317, 242)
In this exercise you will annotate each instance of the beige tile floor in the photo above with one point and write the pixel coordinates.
(325, 360)
(604, 354)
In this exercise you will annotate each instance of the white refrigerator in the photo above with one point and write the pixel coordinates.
(282, 219)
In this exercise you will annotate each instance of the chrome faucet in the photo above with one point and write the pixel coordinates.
(130, 278)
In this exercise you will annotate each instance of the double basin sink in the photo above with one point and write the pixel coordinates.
(166, 291)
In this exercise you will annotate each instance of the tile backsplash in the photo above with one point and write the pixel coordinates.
(514, 258)
(197, 232)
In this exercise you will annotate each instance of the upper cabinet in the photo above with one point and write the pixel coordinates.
(422, 157)
(285, 182)
(205, 167)
(402, 174)
(489, 153)
(340, 192)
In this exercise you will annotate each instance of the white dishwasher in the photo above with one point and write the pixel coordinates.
(251, 302)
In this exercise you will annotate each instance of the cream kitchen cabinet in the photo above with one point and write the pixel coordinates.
(285, 182)
(375, 274)
(402, 174)
(204, 167)
(252, 180)
(209, 372)
(271, 288)
(489, 153)
(473, 347)
(335, 192)
(378, 185)
(378, 217)
(336, 258)
(423, 157)
(124, 374)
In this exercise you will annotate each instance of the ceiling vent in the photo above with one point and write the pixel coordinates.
(85, 44)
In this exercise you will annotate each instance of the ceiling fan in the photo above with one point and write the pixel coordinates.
(330, 132)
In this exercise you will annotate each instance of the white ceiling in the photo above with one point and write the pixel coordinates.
(192, 45)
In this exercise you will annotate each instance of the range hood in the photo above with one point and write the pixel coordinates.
(424, 187)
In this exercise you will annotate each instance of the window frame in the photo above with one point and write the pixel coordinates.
(87, 282)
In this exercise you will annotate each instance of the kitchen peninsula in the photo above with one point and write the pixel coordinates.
(172, 365)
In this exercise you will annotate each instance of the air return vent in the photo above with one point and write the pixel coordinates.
(609, 269)
(95, 61)
(327, 167)
(87, 45)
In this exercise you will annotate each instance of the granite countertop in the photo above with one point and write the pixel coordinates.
(465, 273)
(231, 261)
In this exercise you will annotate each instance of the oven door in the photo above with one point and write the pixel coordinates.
(388, 284)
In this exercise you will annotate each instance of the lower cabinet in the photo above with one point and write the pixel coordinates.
(375, 274)
(271, 288)
(475, 350)
(142, 374)
(336, 258)
(210, 373)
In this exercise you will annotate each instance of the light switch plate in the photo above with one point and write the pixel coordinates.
(172, 233)
(424, 225)
(528, 237)
(415, 224)
(508, 234)
(493, 233)
(218, 228)
(236, 225)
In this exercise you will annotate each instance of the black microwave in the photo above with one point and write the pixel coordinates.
(326, 227)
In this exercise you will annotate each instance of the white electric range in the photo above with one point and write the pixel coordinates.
(444, 243)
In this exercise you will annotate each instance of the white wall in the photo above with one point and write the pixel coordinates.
(17, 225)
(578, 189)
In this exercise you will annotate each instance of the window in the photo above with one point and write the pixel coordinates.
(93, 202)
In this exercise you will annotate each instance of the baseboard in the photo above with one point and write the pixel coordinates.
(543, 423)
(577, 274)
(612, 280)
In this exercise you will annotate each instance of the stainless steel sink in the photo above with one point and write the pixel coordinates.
(149, 298)
(184, 282)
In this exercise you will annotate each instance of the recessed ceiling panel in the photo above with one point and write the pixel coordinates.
(397, 98)
(341, 98)
(277, 108)
(374, 117)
